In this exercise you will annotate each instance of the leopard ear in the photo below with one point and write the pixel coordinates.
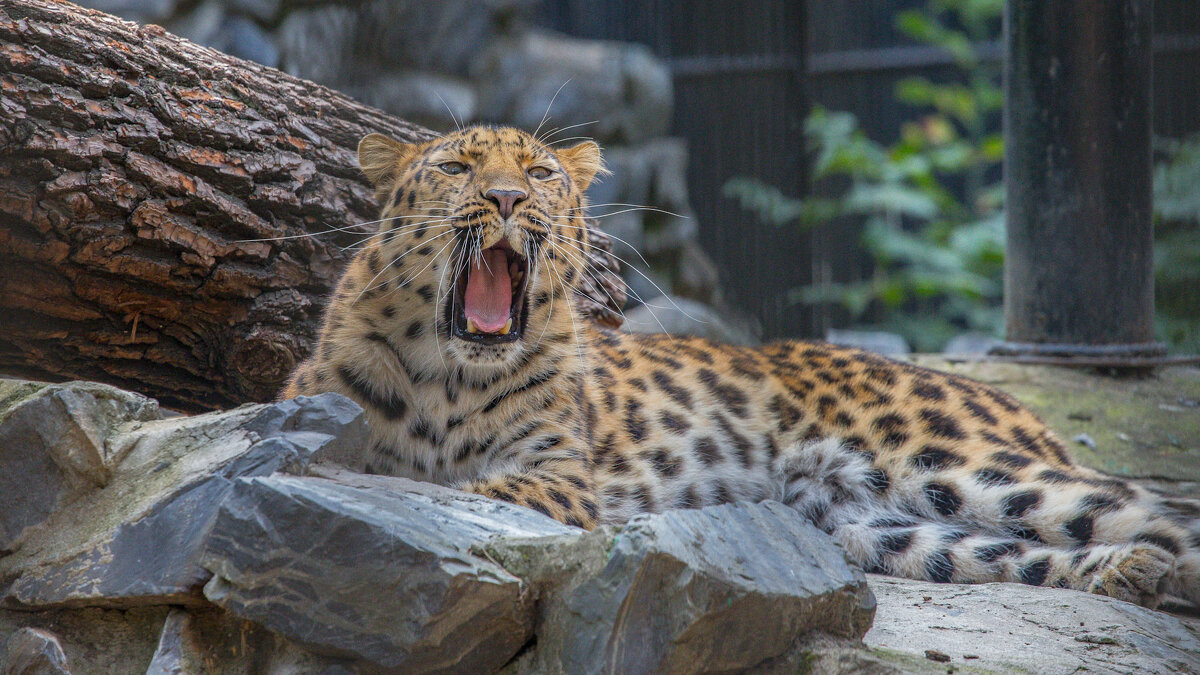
(382, 158)
(583, 163)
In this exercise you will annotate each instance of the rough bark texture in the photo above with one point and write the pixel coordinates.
(135, 169)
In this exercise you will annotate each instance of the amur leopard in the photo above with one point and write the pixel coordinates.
(454, 328)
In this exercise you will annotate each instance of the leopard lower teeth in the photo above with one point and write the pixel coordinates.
(471, 327)
(507, 328)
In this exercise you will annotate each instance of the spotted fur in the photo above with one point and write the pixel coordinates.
(916, 473)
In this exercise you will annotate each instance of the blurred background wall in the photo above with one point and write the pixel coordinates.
(884, 117)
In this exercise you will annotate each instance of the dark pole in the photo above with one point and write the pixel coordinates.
(1078, 278)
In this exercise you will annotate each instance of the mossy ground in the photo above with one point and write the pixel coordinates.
(1142, 426)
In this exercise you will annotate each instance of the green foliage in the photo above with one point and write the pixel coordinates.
(932, 209)
(932, 219)
(1177, 243)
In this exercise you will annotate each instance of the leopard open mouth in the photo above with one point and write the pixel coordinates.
(488, 302)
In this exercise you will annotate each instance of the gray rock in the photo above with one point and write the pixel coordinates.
(623, 88)
(666, 234)
(244, 39)
(317, 44)
(208, 640)
(627, 233)
(348, 47)
(178, 650)
(137, 540)
(888, 344)
(54, 446)
(680, 316)
(434, 101)
(1016, 628)
(650, 173)
(95, 641)
(34, 652)
(630, 182)
(435, 36)
(200, 23)
(970, 343)
(719, 589)
(143, 11)
(263, 10)
(697, 276)
(378, 568)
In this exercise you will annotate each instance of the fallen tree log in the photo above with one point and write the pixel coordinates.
(136, 168)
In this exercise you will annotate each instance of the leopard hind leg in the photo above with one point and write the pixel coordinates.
(1077, 536)
(903, 545)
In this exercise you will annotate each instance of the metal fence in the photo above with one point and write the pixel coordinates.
(746, 74)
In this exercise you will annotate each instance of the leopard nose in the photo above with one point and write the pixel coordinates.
(505, 200)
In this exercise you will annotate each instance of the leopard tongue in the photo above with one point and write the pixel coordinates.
(488, 298)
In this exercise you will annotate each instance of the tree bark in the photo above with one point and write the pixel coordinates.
(136, 171)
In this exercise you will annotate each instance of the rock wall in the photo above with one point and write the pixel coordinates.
(452, 62)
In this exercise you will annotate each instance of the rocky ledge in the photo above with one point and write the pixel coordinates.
(238, 542)
(235, 542)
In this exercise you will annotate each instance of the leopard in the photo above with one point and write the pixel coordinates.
(455, 328)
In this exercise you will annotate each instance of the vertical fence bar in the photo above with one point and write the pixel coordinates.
(1078, 275)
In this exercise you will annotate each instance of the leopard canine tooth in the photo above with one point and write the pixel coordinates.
(471, 327)
(507, 327)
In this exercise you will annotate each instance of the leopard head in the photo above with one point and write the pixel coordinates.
(487, 225)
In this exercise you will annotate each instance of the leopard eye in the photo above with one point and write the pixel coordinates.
(452, 168)
(540, 172)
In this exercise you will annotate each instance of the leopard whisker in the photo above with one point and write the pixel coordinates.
(545, 264)
(437, 334)
(344, 228)
(558, 130)
(570, 312)
(549, 106)
(652, 283)
(432, 259)
(591, 269)
(371, 284)
(631, 208)
(571, 138)
(392, 233)
(610, 236)
(458, 125)
(587, 267)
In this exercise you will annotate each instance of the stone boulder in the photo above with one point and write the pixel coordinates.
(729, 588)
(317, 44)
(385, 570)
(436, 101)
(620, 92)
(31, 651)
(681, 316)
(54, 446)
(880, 342)
(134, 539)
(144, 11)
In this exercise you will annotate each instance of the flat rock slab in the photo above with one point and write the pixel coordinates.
(1142, 427)
(382, 569)
(1007, 628)
(136, 540)
(721, 589)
